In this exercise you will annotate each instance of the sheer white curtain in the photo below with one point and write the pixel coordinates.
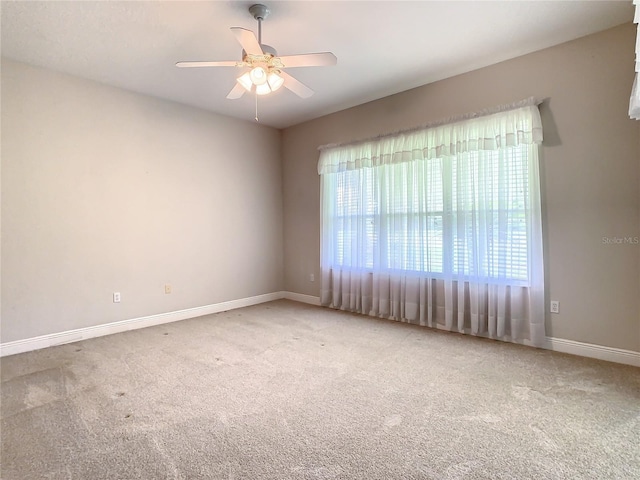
(439, 226)
(634, 104)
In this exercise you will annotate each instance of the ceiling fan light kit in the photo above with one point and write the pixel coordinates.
(263, 68)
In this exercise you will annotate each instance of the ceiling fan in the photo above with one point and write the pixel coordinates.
(263, 68)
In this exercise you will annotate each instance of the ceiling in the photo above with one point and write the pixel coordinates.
(382, 47)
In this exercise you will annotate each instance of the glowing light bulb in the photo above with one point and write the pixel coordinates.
(245, 81)
(275, 81)
(263, 89)
(258, 76)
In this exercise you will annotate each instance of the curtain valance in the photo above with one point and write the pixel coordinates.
(512, 127)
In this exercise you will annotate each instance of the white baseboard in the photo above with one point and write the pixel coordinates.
(617, 355)
(299, 297)
(51, 340)
(599, 352)
(589, 350)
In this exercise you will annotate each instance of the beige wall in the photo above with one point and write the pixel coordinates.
(105, 190)
(590, 174)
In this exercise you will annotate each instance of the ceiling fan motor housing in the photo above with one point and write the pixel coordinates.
(266, 49)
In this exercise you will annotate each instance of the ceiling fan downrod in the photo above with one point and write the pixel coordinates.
(259, 12)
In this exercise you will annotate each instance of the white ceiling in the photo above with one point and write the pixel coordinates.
(382, 47)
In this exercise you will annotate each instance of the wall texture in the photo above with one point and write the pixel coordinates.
(105, 190)
(590, 175)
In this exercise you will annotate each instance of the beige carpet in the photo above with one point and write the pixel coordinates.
(289, 391)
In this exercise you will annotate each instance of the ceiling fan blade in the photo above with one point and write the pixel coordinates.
(309, 60)
(248, 40)
(236, 92)
(206, 64)
(296, 86)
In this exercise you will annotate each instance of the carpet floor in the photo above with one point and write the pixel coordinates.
(285, 390)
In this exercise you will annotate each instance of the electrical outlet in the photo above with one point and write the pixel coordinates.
(555, 306)
(116, 297)
(312, 277)
(167, 288)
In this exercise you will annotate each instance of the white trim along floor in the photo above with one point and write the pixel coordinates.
(600, 352)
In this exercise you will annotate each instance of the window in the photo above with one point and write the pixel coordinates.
(464, 216)
(440, 224)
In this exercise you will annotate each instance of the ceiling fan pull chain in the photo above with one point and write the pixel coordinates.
(257, 107)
